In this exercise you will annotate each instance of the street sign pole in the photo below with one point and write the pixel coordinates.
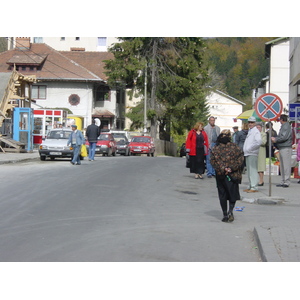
(269, 107)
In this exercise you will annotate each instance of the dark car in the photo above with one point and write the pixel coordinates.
(142, 145)
(55, 145)
(122, 144)
(182, 151)
(106, 144)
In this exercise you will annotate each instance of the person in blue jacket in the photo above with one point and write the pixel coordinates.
(76, 139)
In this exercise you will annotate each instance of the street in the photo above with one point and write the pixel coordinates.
(119, 209)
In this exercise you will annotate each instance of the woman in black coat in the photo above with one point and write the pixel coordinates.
(227, 158)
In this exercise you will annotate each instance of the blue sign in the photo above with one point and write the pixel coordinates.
(292, 111)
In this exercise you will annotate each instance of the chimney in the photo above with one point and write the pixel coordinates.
(22, 43)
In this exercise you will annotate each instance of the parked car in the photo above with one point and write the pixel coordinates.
(122, 144)
(106, 144)
(182, 151)
(142, 145)
(55, 145)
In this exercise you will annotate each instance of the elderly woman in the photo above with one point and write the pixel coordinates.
(227, 159)
(261, 161)
(196, 146)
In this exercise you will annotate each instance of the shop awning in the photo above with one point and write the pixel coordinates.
(97, 113)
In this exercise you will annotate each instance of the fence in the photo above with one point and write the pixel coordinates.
(165, 148)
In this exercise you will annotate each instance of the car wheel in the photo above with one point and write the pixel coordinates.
(114, 153)
(43, 157)
(152, 154)
(81, 157)
(148, 154)
(52, 158)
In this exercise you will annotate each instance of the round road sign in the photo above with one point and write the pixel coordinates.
(268, 107)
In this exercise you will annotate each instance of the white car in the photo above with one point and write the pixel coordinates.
(55, 145)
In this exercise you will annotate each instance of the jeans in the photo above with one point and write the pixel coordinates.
(76, 154)
(210, 170)
(92, 149)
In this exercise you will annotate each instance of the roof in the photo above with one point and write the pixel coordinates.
(229, 97)
(57, 65)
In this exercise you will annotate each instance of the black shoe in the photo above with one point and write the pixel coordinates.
(298, 181)
(72, 163)
(225, 219)
(285, 185)
(279, 185)
(261, 184)
(209, 176)
(230, 217)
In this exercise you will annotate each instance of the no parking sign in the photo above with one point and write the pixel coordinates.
(268, 107)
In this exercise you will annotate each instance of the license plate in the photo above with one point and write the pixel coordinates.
(55, 153)
(137, 150)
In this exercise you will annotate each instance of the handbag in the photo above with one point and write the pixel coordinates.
(83, 151)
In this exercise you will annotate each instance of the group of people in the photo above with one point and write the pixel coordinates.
(76, 140)
(227, 156)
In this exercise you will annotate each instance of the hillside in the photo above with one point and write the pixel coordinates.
(237, 64)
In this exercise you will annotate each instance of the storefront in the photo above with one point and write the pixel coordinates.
(45, 120)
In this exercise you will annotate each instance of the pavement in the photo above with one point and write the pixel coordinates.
(278, 240)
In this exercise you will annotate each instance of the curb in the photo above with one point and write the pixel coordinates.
(267, 249)
(264, 200)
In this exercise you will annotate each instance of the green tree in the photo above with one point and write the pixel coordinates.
(176, 79)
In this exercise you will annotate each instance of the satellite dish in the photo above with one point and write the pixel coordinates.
(97, 121)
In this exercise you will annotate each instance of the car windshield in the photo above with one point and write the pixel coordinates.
(104, 137)
(58, 134)
(120, 139)
(140, 140)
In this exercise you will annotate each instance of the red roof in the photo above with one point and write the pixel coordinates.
(57, 65)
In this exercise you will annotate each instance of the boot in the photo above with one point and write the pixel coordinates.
(230, 212)
(225, 217)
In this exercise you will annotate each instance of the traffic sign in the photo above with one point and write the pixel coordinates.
(294, 111)
(268, 107)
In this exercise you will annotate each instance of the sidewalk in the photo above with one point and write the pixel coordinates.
(6, 157)
(279, 239)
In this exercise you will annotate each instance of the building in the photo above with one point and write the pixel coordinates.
(73, 80)
(225, 109)
(70, 43)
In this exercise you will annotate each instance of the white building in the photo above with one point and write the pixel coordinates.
(71, 43)
(225, 109)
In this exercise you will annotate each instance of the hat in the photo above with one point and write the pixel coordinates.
(235, 127)
(252, 119)
(74, 126)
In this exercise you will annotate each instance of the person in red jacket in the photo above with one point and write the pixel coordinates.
(197, 147)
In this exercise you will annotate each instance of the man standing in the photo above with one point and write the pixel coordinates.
(212, 132)
(235, 131)
(92, 133)
(251, 149)
(76, 139)
(284, 142)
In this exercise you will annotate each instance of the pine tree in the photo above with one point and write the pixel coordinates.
(176, 79)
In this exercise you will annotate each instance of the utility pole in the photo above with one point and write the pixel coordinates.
(145, 101)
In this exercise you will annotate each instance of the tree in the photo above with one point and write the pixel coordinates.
(176, 79)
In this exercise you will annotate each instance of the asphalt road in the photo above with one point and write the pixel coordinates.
(118, 209)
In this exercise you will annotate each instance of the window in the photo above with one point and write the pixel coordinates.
(77, 39)
(62, 38)
(38, 40)
(102, 93)
(74, 99)
(102, 41)
(38, 92)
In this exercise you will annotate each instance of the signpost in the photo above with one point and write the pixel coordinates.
(269, 107)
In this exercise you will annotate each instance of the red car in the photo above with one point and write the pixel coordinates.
(106, 144)
(142, 145)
